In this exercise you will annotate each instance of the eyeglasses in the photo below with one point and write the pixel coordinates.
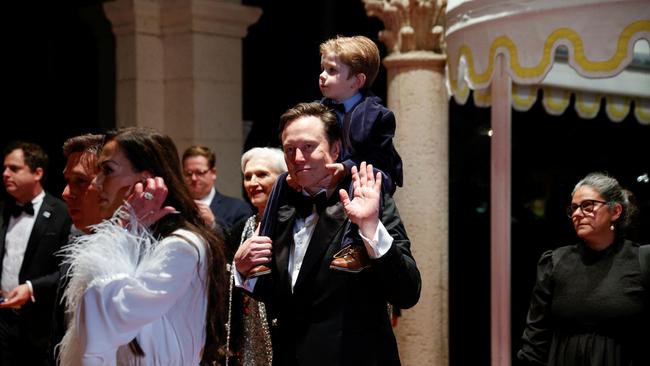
(586, 206)
(198, 173)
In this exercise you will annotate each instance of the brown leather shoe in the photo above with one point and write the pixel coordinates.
(352, 258)
(259, 270)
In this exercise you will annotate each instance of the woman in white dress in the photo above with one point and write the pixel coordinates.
(142, 283)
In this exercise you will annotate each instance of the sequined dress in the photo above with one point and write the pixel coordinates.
(248, 338)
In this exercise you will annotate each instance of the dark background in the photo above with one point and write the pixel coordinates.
(59, 61)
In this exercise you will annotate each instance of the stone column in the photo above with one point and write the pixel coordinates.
(139, 62)
(417, 95)
(179, 70)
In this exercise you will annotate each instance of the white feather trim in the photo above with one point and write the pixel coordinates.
(111, 252)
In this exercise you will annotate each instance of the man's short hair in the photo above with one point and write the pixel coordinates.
(33, 154)
(359, 53)
(200, 150)
(318, 110)
(83, 143)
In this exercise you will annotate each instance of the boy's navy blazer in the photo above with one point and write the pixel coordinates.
(368, 132)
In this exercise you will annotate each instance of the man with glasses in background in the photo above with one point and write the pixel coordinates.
(216, 209)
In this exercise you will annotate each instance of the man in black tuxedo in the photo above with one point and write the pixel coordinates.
(216, 209)
(321, 316)
(33, 227)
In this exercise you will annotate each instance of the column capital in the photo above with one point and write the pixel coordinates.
(427, 60)
(411, 25)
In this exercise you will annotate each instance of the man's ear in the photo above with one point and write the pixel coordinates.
(38, 173)
(335, 150)
(359, 80)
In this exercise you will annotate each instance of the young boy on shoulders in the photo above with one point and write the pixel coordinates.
(349, 67)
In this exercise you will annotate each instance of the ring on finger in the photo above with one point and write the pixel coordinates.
(147, 196)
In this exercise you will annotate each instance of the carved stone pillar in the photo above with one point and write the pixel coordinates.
(179, 70)
(417, 95)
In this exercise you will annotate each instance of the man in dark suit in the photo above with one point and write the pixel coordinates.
(200, 172)
(321, 316)
(33, 227)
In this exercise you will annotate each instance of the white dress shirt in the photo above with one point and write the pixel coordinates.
(19, 230)
(208, 199)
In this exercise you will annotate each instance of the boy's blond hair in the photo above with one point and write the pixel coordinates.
(359, 53)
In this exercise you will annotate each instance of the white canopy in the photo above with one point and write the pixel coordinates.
(594, 49)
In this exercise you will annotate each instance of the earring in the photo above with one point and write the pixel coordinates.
(611, 227)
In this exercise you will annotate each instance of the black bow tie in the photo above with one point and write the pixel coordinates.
(305, 204)
(27, 208)
(334, 105)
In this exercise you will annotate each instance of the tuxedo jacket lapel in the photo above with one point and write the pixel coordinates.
(4, 221)
(283, 242)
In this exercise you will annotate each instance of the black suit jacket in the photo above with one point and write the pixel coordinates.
(333, 317)
(228, 210)
(40, 265)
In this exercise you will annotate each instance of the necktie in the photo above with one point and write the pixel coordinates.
(305, 204)
(27, 208)
(337, 107)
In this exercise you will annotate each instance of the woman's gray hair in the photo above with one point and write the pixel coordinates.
(274, 155)
(612, 192)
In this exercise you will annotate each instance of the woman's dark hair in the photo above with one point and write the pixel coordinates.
(149, 150)
(612, 193)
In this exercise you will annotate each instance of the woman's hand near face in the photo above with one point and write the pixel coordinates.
(147, 198)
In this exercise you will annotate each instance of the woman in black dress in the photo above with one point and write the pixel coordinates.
(590, 304)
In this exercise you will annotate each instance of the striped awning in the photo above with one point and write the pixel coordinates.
(594, 50)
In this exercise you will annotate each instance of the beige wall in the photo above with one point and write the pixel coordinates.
(179, 70)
